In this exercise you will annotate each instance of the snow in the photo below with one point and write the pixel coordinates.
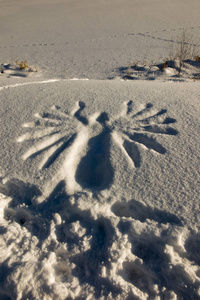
(99, 176)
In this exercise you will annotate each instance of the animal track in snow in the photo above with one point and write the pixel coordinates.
(87, 142)
(125, 35)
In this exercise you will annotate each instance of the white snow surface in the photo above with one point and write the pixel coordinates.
(99, 178)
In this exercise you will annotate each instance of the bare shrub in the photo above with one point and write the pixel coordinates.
(185, 49)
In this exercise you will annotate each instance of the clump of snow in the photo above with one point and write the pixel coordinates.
(168, 70)
(18, 70)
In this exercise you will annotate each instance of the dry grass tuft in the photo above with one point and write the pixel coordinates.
(164, 65)
(197, 58)
(23, 65)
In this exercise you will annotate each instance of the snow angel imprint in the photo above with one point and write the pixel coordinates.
(86, 142)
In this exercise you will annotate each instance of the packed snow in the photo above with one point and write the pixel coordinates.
(99, 169)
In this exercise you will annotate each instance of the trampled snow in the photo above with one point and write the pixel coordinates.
(99, 179)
